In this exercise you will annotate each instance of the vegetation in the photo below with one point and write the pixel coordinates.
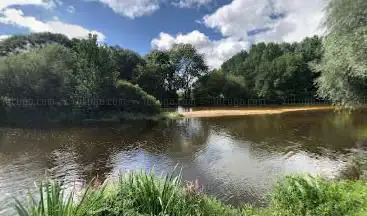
(51, 75)
(270, 71)
(343, 67)
(146, 194)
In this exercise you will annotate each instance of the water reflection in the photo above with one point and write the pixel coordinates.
(235, 158)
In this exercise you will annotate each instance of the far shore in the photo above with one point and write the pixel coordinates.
(240, 111)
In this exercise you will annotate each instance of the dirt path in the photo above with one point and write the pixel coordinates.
(250, 111)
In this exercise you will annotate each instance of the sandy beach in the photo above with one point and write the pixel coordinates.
(250, 111)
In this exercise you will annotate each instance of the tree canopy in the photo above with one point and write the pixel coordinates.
(269, 71)
(343, 67)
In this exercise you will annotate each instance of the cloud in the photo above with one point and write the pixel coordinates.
(285, 20)
(131, 8)
(70, 9)
(214, 51)
(243, 22)
(3, 37)
(16, 17)
(191, 3)
(7, 3)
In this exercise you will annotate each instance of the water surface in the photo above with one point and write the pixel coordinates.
(237, 159)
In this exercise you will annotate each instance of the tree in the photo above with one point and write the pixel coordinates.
(127, 62)
(157, 76)
(95, 69)
(21, 43)
(189, 66)
(209, 87)
(43, 73)
(275, 71)
(343, 67)
(216, 85)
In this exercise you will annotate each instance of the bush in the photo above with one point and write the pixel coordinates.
(135, 99)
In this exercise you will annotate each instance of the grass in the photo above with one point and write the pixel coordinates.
(307, 195)
(142, 193)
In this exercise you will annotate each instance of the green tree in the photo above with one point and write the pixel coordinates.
(209, 87)
(275, 71)
(21, 43)
(157, 76)
(43, 73)
(343, 67)
(189, 66)
(216, 85)
(127, 62)
(95, 68)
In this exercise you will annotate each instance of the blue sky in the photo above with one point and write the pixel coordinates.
(217, 28)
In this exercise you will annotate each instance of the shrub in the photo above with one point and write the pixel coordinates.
(135, 99)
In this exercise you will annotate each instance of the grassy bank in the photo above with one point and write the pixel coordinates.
(146, 194)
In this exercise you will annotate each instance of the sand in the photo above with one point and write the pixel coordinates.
(251, 111)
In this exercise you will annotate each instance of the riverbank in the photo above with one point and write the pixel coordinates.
(220, 112)
(143, 194)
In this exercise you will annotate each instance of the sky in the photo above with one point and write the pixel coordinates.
(217, 28)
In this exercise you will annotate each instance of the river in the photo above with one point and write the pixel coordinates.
(237, 159)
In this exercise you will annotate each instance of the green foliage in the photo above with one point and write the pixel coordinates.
(343, 67)
(157, 76)
(95, 70)
(134, 99)
(127, 62)
(134, 194)
(63, 77)
(53, 201)
(147, 194)
(189, 65)
(19, 43)
(42, 73)
(271, 71)
(150, 195)
(308, 196)
(217, 85)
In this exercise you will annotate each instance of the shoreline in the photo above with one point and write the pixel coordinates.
(250, 111)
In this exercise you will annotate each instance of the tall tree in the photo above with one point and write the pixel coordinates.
(95, 68)
(127, 62)
(157, 76)
(344, 66)
(189, 66)
(43, 73)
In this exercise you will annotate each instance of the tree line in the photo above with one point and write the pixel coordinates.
(52, 66)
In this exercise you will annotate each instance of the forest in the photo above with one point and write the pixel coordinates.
(79, 78)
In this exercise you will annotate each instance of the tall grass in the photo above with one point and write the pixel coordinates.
(308, 195)
(52, 200)
(142, 193)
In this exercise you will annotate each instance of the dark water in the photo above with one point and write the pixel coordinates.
(237, 159)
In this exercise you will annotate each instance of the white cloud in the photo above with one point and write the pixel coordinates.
(3, 37)
(295, 20)
(191, 3)
(44, 3)
(17, 18)
(70, 9)
(131, 8)
(215, 51)
(279, 20)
